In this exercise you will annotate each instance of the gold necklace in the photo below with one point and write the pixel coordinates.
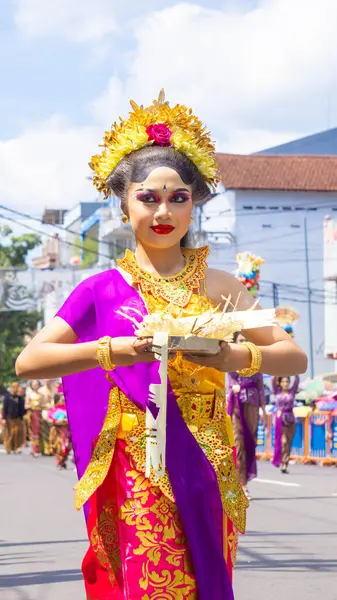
(176, 289)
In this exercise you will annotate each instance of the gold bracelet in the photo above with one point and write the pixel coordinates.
(103, 354)
(256, 361)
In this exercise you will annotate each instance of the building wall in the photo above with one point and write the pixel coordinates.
(43, 290)
(272, 225)
(330, 274)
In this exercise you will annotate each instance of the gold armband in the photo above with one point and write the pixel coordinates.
(256, 361)
(104, 354)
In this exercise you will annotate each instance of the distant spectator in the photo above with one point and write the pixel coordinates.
(59, 432)
(12, 414)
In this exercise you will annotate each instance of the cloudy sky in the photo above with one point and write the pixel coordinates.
(258, 72)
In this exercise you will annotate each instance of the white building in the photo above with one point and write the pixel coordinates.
(330, 275)
(274, 206)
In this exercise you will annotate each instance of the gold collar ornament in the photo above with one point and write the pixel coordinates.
(176, 289)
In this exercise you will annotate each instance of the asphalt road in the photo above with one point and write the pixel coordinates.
(289, 552)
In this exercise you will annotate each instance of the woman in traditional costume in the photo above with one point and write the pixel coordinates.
(47, 390)
(173, 536)
(246, 397)
(59, 437)
(36, 406)
(285, 422)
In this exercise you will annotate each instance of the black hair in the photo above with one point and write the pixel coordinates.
(282, 377)
(236, 335)
(135, 167)
(57, 398)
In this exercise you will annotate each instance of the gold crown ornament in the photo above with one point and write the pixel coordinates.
(156, 125)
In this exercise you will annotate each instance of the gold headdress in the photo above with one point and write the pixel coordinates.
(159, 125)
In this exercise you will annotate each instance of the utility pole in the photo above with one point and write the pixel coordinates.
(275, 295)
(307, 266)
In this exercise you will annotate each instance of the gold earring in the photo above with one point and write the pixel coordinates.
(125, 219)
(191, 220)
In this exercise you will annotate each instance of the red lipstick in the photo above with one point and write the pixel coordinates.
(163, 229)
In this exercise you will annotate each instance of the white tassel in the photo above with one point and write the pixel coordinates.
(156, 428)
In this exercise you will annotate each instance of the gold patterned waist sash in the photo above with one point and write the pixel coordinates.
(125, 421)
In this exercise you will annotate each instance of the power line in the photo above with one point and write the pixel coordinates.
(30, 217)
(50, 235)
(302, 300)
(64, 230)
(298, 300)
(97, 253)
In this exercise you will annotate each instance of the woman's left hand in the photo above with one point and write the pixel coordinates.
(231, 357)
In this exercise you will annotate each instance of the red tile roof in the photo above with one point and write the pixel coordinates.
(278, 172)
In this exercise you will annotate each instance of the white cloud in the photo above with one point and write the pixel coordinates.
(267, 70)
(47, 166)
(74, 20)
(111, 103)
(257, 78)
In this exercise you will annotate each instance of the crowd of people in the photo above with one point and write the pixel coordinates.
(36, 416)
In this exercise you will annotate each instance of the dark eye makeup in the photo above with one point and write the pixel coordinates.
(180, 197)
(152, 197)
(147, 197)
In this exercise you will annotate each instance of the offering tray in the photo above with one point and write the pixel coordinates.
(192, 345)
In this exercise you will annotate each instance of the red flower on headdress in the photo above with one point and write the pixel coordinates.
(160, 134)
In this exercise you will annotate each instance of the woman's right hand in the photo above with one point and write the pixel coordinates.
(236, 388)
(126, 351)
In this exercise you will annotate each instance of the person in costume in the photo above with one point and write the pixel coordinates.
(23, 427)
(59, 438)
(285, 423)
(36, 406)
(175, 536)
(12, 413)
(47, 391)
(246, 397)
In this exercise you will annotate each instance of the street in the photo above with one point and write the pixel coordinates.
(289, 552)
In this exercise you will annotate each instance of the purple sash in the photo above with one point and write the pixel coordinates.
(91, 312)
(248, 438)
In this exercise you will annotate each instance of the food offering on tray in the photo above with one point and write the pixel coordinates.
(199, 335)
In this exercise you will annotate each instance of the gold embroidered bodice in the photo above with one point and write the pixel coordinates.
(36, 401)
(200, 394)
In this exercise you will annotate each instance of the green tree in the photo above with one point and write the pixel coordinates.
(14, 249)
(15, 326)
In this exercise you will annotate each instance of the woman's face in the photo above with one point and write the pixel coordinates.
(35, 385)
(240, 339)
(284, 384)
(160, 208)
